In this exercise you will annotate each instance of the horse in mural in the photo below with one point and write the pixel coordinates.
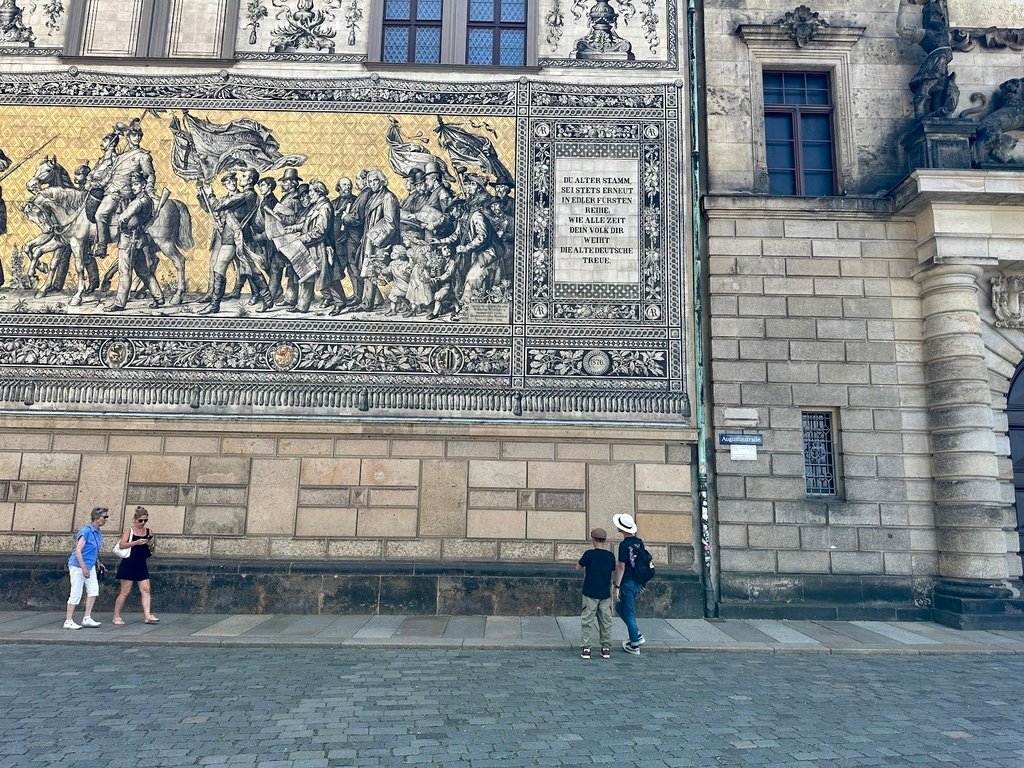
(53, 191)
(50, 242)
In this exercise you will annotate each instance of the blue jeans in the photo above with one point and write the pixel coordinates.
(626, 608)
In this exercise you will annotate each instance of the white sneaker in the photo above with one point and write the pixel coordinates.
(89, 621)
(70, 624)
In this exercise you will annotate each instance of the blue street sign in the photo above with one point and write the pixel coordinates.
(735, 438)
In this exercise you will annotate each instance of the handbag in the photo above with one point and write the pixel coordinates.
(120, 551)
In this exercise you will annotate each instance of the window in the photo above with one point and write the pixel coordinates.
(798, 134)
(494, 33)
(152, 29)
(819, 453)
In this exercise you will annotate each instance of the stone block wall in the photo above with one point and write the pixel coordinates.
(814, 313)
(870, 83)
(348, 496)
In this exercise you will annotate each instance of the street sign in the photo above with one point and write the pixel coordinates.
(737, 438)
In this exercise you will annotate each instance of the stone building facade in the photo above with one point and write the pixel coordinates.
(744, 270)
(858, 327)
(447, 453)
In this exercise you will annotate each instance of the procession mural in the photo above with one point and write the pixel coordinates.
(229, 202)
(354, 247)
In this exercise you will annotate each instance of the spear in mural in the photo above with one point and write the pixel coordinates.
(27, 157)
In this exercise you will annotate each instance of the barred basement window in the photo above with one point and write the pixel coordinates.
(819, 453)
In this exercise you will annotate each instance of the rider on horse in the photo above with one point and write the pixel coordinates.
(117, 186)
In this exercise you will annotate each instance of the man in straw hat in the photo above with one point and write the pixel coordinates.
(626, 589)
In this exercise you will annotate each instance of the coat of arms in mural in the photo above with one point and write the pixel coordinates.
(421, 228)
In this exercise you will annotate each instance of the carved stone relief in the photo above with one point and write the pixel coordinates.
(801, 25)
(1006, 300)
(386, 248)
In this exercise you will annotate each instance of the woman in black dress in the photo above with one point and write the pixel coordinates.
(141, 541)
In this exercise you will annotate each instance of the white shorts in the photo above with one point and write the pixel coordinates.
(92, 585)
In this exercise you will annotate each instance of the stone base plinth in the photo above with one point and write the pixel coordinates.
(825, 597)
(935, 143)
(977, 605)
(321, 587)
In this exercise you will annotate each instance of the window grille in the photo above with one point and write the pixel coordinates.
(819, 454)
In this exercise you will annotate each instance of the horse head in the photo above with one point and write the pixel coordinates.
(49, 173)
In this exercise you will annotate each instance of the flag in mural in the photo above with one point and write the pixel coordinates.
(472, 149)
(406, 155)
(203, 149)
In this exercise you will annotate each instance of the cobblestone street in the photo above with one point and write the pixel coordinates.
(97, 705)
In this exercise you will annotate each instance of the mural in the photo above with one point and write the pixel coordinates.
(363, 247)
(347, 213)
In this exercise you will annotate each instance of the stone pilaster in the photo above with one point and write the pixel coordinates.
(971, 516)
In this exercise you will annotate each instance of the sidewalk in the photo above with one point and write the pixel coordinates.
(540, 632)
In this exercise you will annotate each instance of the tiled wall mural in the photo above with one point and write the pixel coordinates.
(369, 247)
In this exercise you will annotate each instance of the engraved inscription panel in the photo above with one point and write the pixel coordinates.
(596, 237)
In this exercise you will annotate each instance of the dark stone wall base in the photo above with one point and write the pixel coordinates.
(976, 605)
(813, 597)
(460, 589)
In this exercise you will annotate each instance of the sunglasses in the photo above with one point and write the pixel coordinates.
(104, 517)
(142, 520)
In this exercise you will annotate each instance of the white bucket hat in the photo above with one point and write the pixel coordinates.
(624, 523)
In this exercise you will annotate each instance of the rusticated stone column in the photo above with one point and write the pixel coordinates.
(972, 515)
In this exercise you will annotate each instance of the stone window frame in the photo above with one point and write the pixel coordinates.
(151, 36)
(830, 50)
(454, 20)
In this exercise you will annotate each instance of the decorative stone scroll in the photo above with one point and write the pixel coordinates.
(555, 292)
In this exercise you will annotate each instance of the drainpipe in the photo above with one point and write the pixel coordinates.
(707, 565)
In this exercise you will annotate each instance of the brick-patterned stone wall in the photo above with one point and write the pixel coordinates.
(812, 312)
(347, 518)
(508, 495)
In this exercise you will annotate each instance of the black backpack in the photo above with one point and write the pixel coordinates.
(642, 563)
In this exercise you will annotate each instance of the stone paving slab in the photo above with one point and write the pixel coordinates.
(756, 636)
(394, 707)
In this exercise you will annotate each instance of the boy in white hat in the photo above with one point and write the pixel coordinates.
(626, 589)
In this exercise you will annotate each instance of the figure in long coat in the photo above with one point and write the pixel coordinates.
(381, 231)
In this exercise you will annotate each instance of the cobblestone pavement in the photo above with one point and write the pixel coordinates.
(154, 706)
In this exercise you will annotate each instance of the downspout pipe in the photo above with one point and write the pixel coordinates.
(707, 565)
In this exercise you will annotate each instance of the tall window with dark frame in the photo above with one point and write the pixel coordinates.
(798, 134)
(496, 33)
(819, 453)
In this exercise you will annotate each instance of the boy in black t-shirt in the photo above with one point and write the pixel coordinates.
(597, 564)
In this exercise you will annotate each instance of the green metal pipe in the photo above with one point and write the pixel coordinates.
(708, 576)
